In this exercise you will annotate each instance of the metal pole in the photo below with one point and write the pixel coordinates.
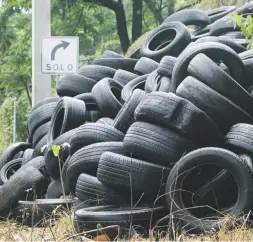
(41, 26)
(14, 119)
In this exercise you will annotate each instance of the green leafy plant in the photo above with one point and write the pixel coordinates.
(246, 26)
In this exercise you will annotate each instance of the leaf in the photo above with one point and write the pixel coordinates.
(43, 148)
(56, 150)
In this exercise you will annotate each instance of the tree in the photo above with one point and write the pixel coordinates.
(137, 20)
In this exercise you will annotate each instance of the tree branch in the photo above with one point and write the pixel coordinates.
(27, 91)
(78, 21)
(157, 14)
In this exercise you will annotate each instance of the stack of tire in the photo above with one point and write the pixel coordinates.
(162, 139)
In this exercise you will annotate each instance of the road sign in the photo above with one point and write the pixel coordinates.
(59, 55)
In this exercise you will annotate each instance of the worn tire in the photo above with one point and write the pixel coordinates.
(218, 13)
(125, 117)
(86, 160)
(222, 26)
(221, 110)
(27, 156)
(111, 54)
(213, 156)
(156, 144)
(145, 66)
(37, 149)
(54, 189)
(40, 133)
(166, 66)
(88, 134)
(107, 121)
(107, 94)
(178, 114)
(123, 77)
(9, 170)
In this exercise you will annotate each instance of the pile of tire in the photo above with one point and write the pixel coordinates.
(163, 138)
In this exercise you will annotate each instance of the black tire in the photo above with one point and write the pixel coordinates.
(164, 85)
(92, 133)
(26, 213)
(95, 116)
(13, 190)
(221, 110)
(107, 121)
(142, 219)
(178, 114)
(90, 190)
(234, 35)
(156, 45)
(11, 151)
(131, 174)
(190, 17)
(89, 101)
(248, 54)
(96, 72)
(217, 52)
(240, 138)
(222, 26)
(45, 101)
(72, 85)
(52, 162)
(40, 116)
(18, 155)
(233, 45)
(126, 64)
(166, 66)
(111, 54)
(218, 13)
(107, 93)
(38, 151)
(9, 170)
(123, 77)
(137, 83)
(200, 31)
(40, 133)
(27, 156)
(153, 82)
(136, 54)
(125, 117)
(86, 160)
(247, 8)
(194, 38)
(204, 69)
(212, 156)
(54, 189)
(155, 144)
(69, 114)
(145, 66)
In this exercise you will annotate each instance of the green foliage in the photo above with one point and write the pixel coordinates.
(113, 45)
(245, 25)
(6, 120)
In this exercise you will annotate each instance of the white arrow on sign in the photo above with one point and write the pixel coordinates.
(59, 55)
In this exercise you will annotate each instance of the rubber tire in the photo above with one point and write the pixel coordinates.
(111, 54)
(218, 13)
(13, 165)
(137, 83)
(126, 64)
(166, 66)
(123, 77)
(221, 110)
(38, 148)
(27, 156)
(190, 17)
(155, 39)
(88, 134)
(156, 144)
(139, 217)
(13, 190)
(125, 117)
(90, 190)
(54, 189)
(222, 26)
(11, 151)
(89, 101)
(52, 162)
(139, 171)
(248, 54)
(218, 157)
(107, 94)
(239, 139)
(234, 35)
(233, 45)
(215, 51)
(45, 101)
(25, 214)
(40, 133)
(86, 160)
(40, 116)
(179, 114)
(72, 85)
(204, 69)
(96, 72)
(69, 114)
(153, 82)
(107, 121)
(145, 66)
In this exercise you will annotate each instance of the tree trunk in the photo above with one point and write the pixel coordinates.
(27, 91)
(137, 19)
(156, 12)
(171, 7)
(119, 11)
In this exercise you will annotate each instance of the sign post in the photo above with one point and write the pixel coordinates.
(41, 26)
(59, 55)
